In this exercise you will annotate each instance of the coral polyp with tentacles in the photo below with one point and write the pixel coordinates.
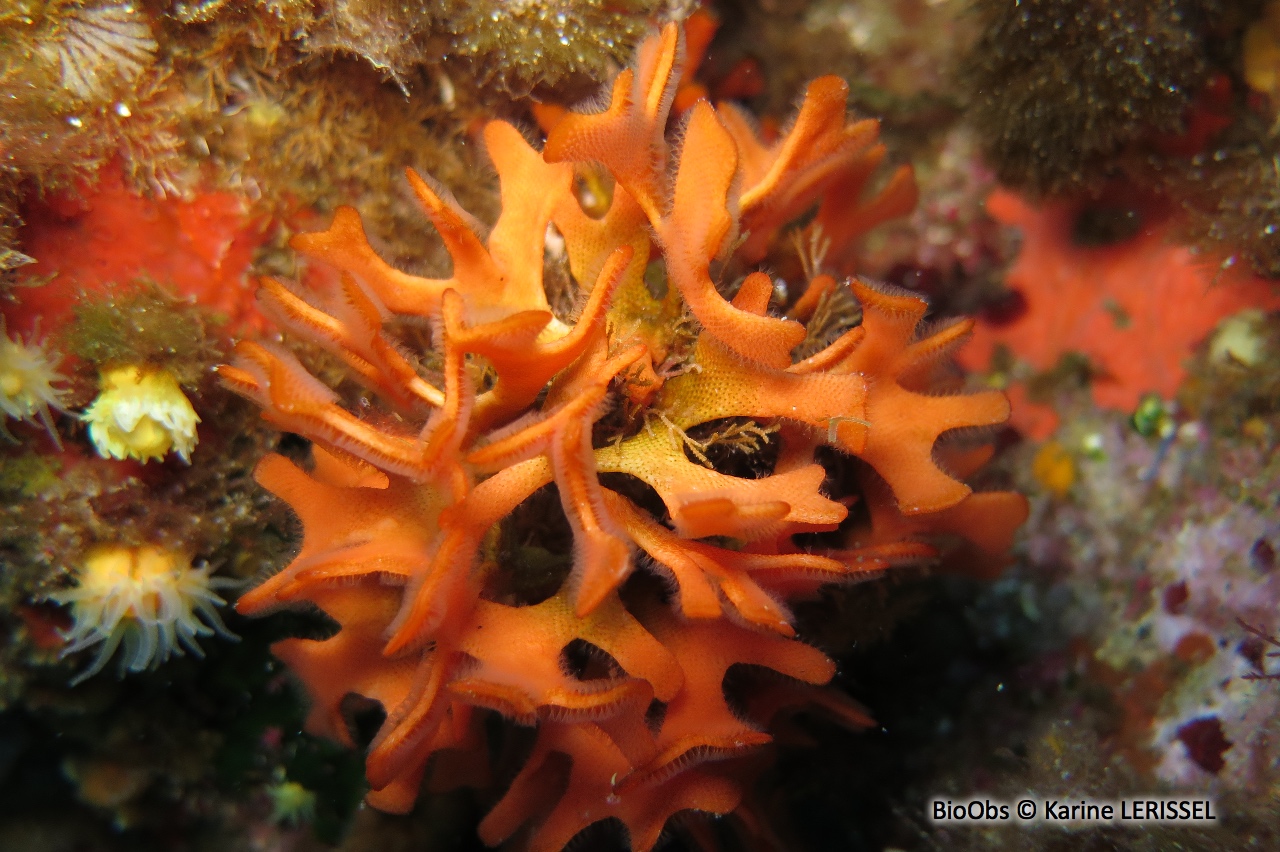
(680, 434)
(147, 598)
(29, 380)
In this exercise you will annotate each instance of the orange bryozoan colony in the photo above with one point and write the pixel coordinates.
(684, 433)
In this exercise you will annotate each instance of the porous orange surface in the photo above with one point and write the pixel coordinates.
(1135, 308)
(407, 496)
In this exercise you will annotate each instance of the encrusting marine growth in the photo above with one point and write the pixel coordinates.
(404, 508)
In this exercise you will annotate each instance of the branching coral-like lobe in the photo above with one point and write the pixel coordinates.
(350, 661)
(357, 524)
(846, 213)
(564, 436)
(727, 385)
(365, 535)
(704, 502)
(602, 558)
(820, 155)
(532, 188)
(494, 282)
(986, 520)
(699, 725)
(695, 218)
(781, 181)
(590, 242)
(704, 573)
(350, 326)
(595, 764)
(441, 440)
(906, 423)
(416, 726)
(794, 579)
(520, 672)
(438, 597)
(406, 511)
(698, 730)
(779, 699)
(524, 366)
(297, 402)
(629, 137)
(699, 28)
(700, 223)
(344, 246)
(455, 753)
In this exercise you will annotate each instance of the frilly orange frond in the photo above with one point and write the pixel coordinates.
(679, 429)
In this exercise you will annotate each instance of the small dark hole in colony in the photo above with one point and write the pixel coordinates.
(655, 279)
(844, 475)
(646, 589)
(558, 283)
(844, 472)
(294, 447)
(362, 716)
(541, 399)
(607, 835)
(741, 450)
(655, 715)
(488, 379)
(1103, 225)
(312, 624)
(737, 688)
(535, 551)
(584, 661)
(637, 491)
(744, 681)
(618, 422)
(837, 311)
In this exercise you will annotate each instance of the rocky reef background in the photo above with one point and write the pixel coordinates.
(156, 156)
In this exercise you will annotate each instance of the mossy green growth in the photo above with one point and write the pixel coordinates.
(1058, 88)
(143, 325)
(527, 46)
(29, 475)
(1231, 195)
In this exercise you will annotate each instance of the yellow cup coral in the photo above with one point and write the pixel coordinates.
(148, 598)
(27, 378)
(141, 415)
